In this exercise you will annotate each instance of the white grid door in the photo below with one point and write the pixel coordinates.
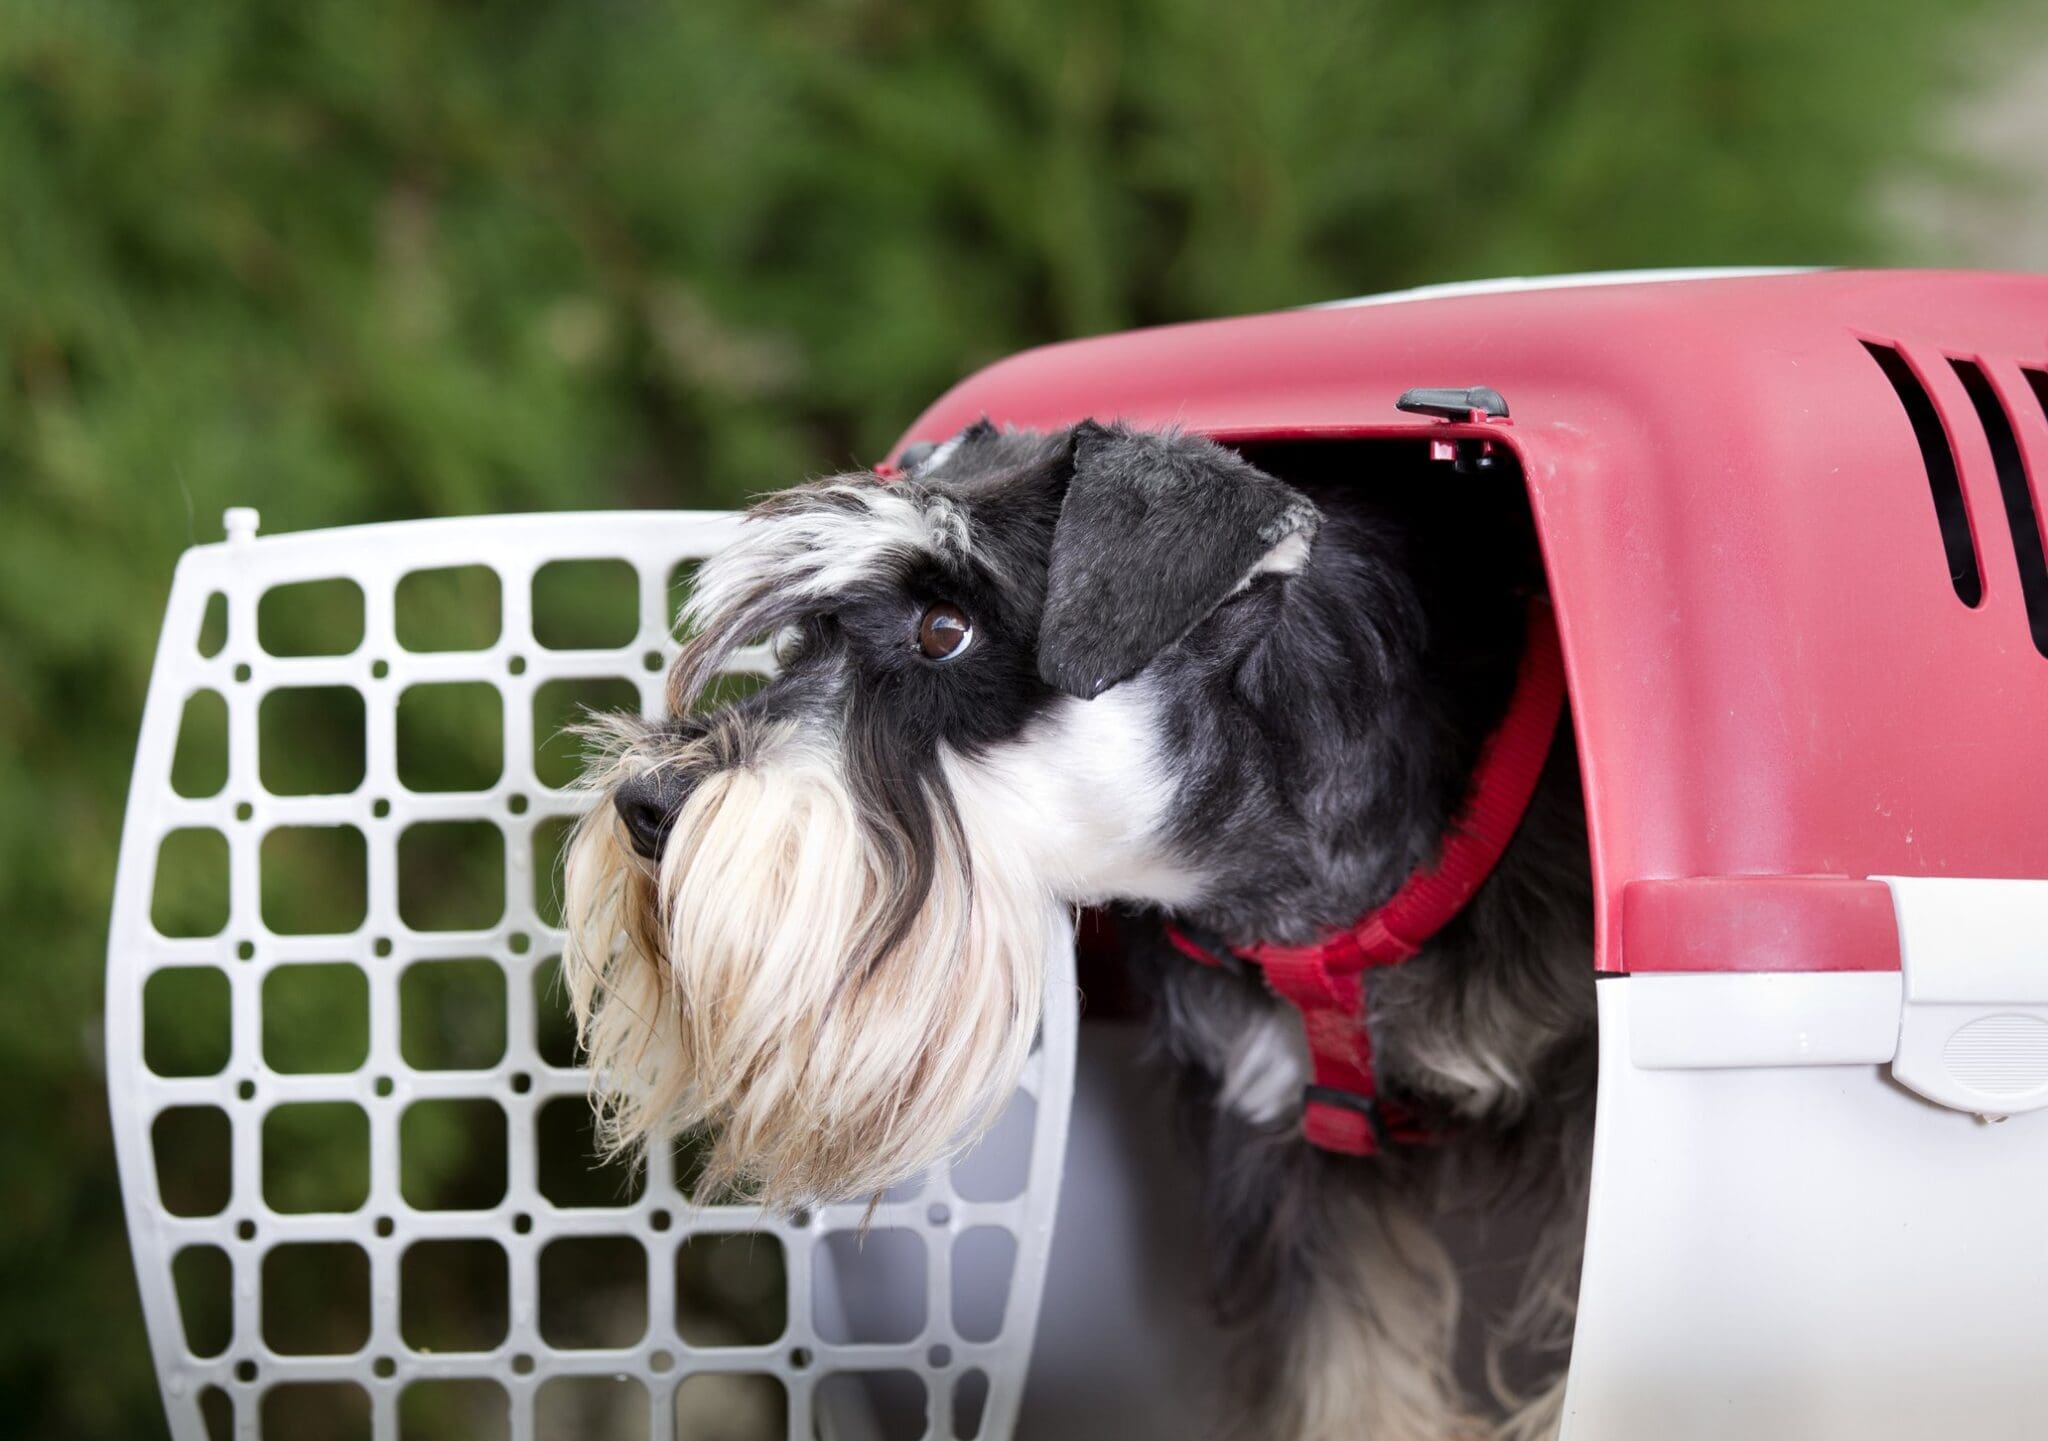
(913, 1319)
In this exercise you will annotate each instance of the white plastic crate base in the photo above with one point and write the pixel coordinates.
(1788, 1244)
(1006, 1189)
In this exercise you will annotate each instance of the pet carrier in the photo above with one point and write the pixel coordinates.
(1792, 530)
(1791, 524)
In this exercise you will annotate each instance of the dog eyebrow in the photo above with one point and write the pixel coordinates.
(803, 547)
(947, 524)
(918, 516)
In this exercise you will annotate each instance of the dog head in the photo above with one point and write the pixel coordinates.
(817, 919)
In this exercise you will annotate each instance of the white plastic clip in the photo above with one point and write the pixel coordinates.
(1973, 1029)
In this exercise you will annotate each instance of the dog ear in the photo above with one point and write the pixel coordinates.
(1157, 530)
(931, 454)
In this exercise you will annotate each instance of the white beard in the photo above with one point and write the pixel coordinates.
(729, 988)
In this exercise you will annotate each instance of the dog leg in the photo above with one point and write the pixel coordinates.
(1371, 1357)
(1543, 1182)
(1343, 1302)
(1537, 1333)
(1537, 1418)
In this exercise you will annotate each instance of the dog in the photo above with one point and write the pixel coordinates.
(1126, 668)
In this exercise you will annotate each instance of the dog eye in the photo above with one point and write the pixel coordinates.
(944, 632)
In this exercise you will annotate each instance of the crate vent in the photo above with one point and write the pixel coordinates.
(1938, 455)
(2019, 500)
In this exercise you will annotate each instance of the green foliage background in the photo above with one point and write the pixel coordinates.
(348, 260)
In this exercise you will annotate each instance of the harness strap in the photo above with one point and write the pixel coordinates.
(1342, 1109)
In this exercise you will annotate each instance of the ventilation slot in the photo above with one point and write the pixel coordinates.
(1940, 459)
(2019, 501)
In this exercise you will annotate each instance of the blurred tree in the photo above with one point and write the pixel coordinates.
(346, 260)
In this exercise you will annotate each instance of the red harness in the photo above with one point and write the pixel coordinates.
(1342, 1109)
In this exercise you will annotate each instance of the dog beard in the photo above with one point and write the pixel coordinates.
(844, 1002)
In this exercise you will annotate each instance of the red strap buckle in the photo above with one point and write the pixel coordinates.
(1332, 1006)
(1342, 1109)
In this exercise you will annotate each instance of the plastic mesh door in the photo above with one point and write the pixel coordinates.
(328, 1267)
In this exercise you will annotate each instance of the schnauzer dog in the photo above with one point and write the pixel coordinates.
(1129, 668)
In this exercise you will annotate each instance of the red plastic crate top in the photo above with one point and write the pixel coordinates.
(1779, 688)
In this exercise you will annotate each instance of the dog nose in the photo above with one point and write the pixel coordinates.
(648, 805)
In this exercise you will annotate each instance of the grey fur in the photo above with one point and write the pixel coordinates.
(1330, 727)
